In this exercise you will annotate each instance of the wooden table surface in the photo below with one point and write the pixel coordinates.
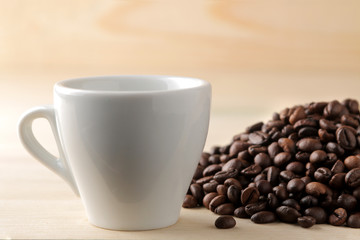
(259, 56)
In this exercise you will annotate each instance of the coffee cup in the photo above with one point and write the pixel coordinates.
(128, 145)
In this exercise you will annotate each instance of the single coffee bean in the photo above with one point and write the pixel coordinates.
(215, 150)
(298, 114)
(272, 201)
(287, 145)
(232, 181)
(295, 185)
(316, 189)
(240, 212)
(252, 170)
(236, 147)
(225, 209)
(263, 160)
(318, 156)
(347, 201)
(253, 208)
(189, 201)
(317, 107)
(352, 178)
(197, 192)
(221, 189)
(207, 199)
(210, 186)
(217, 201)
(352, 162)
(249, 195)
(338, 217)
(296, 167)
(318, 213)
(308, 201)
(334, 109)
(245, 155)
(198, 172)
(345, 137)
(349, 120)
(204, 180)
(258, 138)
(273, 174)
(255, 127)
(221, 176)
(264, 187)
(306, 221)
(302, 156)
(338, 167)
(287, 175)
(282, 158)
(211, 170)
(204, 160)
(331, 159)
(256, 149)
(327, 125)
(224, 158)
(356, 193)
(307, 122)
(322, 175)
(287, 130)
(354, 220)
(332, 147)
(351, 105)
(308, 132)
(225, 149)
(291, 203)
(309, 144)
(273, 149)
(233, 164)
(263, 217)
(306, 179)
(287, 214)
(214, 159)
(325, 136)
(337, 181)
(281, 192)
(233, 194)
(259, 177)
(310, 169)
(225, 222)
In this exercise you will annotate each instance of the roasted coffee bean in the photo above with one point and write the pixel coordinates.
(287, 214)
(240, 212)
(287, 130)
(258, 138)
(287, 145)
(356, 193)
(232, 181)
(298, 114)
(204, 180)
(332, 147)
(224, 158)
(221, 176)
(197, 192)
(309, 144)
(253, 208)
(281, 192)
(291, 203)
(256, 149)
(233, 164)
(255, 127)
(273, 149)
(264, 187)
(263, 160)
(306, 179)
(317, 107)
(352, 178)
(204, 160)
(322, 175)
(211, 170)
(272, 201)
(306, 221)
(207, 199)
(245, 155)
(345, 137)
(310, 169)
(325, 136)
(331, 159)
(214, 159)
(307, 122)
(307, 132)
(337, 181)
(259, 177)
(249, 195)
(316, 189)
(302, 156)
(198, 172)
(233, 194)
(263, 217)
(318, 213)
(225, 222)
(295, 185)
(352, 162)
(287, 175)
(210, 186)
(282, 159)
(349, 120)
(237, 147)
(296, 167)
(338, 167)
(225, 149)
(334, 109)
(354, 220)
(338, 217)
(189, 201)
(318, 156)
(351, 105)
(327, 125)
(273, 174)
(225, 209)
(252, 170)
(217, 201)
(308, 201)
(221, 189)
(347, 201)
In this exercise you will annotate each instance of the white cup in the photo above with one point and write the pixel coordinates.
(128, 145)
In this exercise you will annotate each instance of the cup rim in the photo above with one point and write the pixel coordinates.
(63, 88)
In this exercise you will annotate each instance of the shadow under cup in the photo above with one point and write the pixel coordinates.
(132, 144)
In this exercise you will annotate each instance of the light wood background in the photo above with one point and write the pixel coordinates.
(259, 56)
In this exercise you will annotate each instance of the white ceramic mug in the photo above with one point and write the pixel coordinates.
(128, 145)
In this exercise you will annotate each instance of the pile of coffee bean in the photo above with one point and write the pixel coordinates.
(303, 167)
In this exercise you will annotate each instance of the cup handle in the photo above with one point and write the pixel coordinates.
(57, 165)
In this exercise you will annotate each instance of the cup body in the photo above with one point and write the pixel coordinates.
(132, 144)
